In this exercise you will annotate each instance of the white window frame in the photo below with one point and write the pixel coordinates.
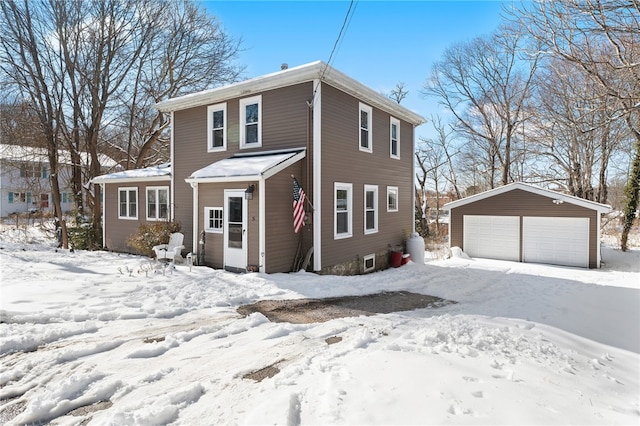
(128, 190)
(374, 209)
(340, 186)
(394, 122)
(243, 121)
(157, 190)
(369, 111)
(210, 110)
(207, 218)
(365, 259)
(392, 190)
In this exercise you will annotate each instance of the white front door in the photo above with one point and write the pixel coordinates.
(235, 230)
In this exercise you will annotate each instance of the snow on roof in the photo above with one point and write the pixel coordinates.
(160, 172)
(295, 75)
(40, 155)
(602, 208)
(247, 166)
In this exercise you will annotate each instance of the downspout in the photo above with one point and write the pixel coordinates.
(104, 224)
(194, 228)
(262, 185)
(317, 175)
(173, 169)
(413, 179)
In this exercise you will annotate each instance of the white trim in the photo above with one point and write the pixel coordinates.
(555, 196)
(104, 216)
(376, 212)
(128, 189)
(156, 189)
(172, 176)
(195, 224)
(366, 108)
(165, 178)
(243, 118)
(598, 238)
(371, 256)
(288, 77)
(394, 121)
(206, 218)
(317, 175)
(210, 110)
(349, 188)
(262, 230)
(391, 189)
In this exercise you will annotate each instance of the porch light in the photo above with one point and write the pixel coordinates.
(248, 193)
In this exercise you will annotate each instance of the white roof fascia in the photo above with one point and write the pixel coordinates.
(592, 205)
(283, 165)
(288, 77)
(99, 179)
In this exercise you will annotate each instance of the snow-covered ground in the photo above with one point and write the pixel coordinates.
(525, 344)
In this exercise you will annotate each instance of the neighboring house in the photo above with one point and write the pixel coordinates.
(525, 223)
(24, 179)
(235, 151)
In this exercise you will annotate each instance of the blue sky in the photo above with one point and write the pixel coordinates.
(385, 42)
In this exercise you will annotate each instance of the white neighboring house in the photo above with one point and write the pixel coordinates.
(24, 179)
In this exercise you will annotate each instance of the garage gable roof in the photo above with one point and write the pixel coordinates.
(557, 197)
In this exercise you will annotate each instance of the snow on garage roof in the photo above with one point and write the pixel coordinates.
(592, 205)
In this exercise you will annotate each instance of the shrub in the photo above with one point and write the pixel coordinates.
(152, 234)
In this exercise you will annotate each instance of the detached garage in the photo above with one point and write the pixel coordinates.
(525, 223)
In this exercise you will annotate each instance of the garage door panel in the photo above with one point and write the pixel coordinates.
(493, 237)
(556, 240)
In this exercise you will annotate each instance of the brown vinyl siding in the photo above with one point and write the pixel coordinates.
(342, 161)
(281, 242)
(284, 125)
(523, 203)
(119, 230)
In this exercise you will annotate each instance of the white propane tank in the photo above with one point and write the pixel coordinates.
(415, 247)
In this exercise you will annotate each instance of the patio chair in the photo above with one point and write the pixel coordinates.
(172, 251)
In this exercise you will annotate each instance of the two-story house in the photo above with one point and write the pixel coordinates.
(235, 151)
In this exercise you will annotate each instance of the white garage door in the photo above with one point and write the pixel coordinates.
(556, 240)
(492, 237)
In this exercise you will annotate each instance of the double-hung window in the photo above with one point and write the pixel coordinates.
(213, 219)
(217, 125)
(394, 138)
(370, 209)
(392, 198)
(366, 141)
(127, 203)
(251, 122)
(342, 210)
(157, 203)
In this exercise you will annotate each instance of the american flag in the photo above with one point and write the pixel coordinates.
(298, 206)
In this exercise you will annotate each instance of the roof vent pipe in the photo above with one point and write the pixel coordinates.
(284, 66)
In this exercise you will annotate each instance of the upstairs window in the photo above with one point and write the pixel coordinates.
(394, 138)
(251, 122)
(366, 113)
(127, 203)
(343, 210)
(217, 125)
(157, 203)
(370, 209)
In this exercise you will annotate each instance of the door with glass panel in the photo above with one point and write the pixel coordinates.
(235, 230)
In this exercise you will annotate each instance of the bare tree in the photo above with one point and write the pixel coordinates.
(398, 93)
(28, 59)
(603, 39)
(485, 84)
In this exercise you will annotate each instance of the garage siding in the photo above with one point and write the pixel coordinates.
(523, 203)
